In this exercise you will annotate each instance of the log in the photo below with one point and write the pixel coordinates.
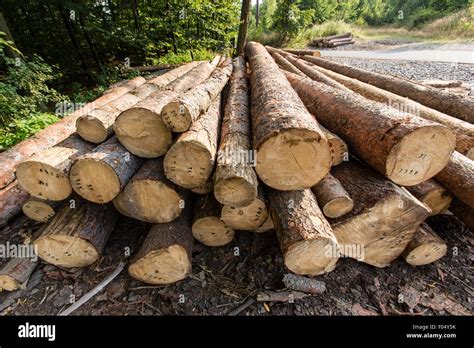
(338, 36)
(313, 53)
(426, 247)
(280, 296)
(149, 196)
(55, 133)
(304, 284)
(40, 210)
(183, 111)
(97, 125)
(406, 149)
(446, 102)
(235, 179)
(292, 153)
(207, 226)
(266, 226)
(248, 218)
(341, 43)
(332, 198)
(337, 146)
(165, 255)
(305, 237)
(46, 174)
(282, 62)
(141, 129)
(100, 175)
(464, 131)
(76, 236)
(463, 212)
(12, 198)
(16, 273)
(152, 68)
(434, 195)
(458, 178)
(208, 187)
(190, 161)
(340, 40)
(384, 218)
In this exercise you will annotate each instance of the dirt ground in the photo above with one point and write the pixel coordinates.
(225, 278)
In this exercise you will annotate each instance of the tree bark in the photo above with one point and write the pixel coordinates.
(16, 273)
(100, 175)
(12, 198)
(458, 178)
(464, 131)
(76, 236)
(165, 255)
(244, 23)
(433, 195)
(446, 102)
(337, 146)
(149, 196)
(235, 179)
(426, 247)
(190, 161)
(384, 218)
(40, 210)
(305, 237)
(282, 62)
(46, 174)
(208, 228)
(332, 197)
(182, 112)
(292, 153)
(313, 53)
(55, 133)
(248, 218)
(405, 148)
(141, 129)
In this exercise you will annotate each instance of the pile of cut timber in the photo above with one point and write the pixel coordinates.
(333, 40)
(297, 144)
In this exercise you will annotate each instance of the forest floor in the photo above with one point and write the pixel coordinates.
(225, 278)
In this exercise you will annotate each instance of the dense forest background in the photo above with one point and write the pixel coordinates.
(69, 51)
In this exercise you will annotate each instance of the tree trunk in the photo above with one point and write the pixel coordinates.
(383, 220)
(337, 146)
(182, 112)
(305, 237)
(149, 196)
(100, 175)
(332, 197)
(208, 228)
(40, 210)
(458, 178)
(55, 133)
(165, 255)
(190, 161)
(235, 179)
(97, 125)
(282, 62)
(426, 247)
(8, 36)
(292, 153)
(464, 131)
(446, 102)
(248, 218)
(141, 129)
(76, 236)
(313, 53)
(12, 198)
(16, 273)
(433, 195)
(244, 23)
(463, 212)
(46, 174)
(405, 148)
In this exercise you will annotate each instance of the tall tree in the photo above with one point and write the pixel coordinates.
(244, 24)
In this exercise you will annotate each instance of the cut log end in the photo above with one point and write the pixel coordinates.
(43, 181)
(266, 226)
(338, 207)
(162, 266)
(176, 116)
(66, 251)
(143, 133)
(245, 218)
(420, 155)
(236, 192)
(38, 211)
(312, 257)
(426, 253)
(188, 164)
(91, 129)
(9, 283)
(212, 231)
(295, 159)
(95, 180)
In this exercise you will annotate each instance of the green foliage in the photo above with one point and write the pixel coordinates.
(289, 18)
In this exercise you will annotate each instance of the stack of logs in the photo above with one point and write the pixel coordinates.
(333, 41)
(318, 151)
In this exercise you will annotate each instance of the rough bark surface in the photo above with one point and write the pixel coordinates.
(338, 147)
(12, 198)
(332, 197)
(304, 52)
(405, 148)
(16, 272)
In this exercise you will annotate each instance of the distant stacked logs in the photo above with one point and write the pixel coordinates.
(333, 40)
